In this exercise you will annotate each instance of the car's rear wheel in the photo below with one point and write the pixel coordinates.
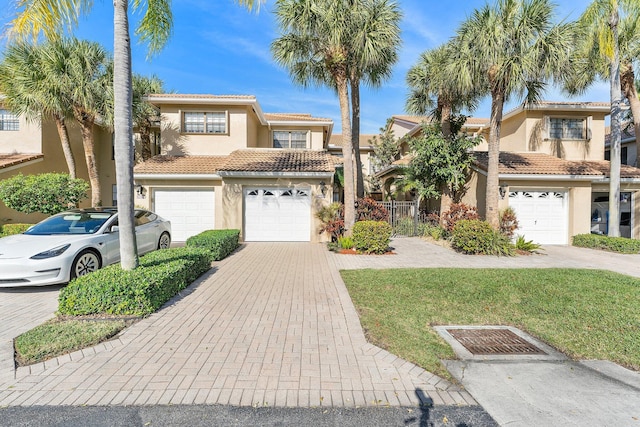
(86, 262)
(165, 241)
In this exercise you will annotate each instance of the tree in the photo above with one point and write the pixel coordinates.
(80, 72)
(374, 51)
(607, 46)
(439, 164)
(385, 148)
(47, 193)
(51, 17)
(510, 48)
(337, 43)
(145, 115)
(30, 92)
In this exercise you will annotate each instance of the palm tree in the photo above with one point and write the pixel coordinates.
(338, 43)
(30, 92)
(51, 17)
(80, 70)
(608, 44)
(145, 115)
(511, 48)
(374, 50)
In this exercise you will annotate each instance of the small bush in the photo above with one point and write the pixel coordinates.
(345, 242)
(606, 243)
(372, 236)
(476, 237)
(404, 226)
(48, 193)
(10, 229)
(526, 245)
(368, 209)
(139, 292)
(332, 218)
(219, 242)
(458, 212)
(508, 222)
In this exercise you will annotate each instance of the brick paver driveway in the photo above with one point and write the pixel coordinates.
(270, 325)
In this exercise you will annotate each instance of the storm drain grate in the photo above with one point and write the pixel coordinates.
(493, 341)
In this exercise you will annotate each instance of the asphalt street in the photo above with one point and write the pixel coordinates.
(218, 415)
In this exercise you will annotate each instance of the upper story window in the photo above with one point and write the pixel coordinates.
(564, 128)
(204, 122)
(290, 139)
(9, 121)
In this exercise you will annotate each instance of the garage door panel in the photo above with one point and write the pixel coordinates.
(542, 215)
(190, 211)
(277, 214)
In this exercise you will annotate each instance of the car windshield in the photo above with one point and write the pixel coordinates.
(71, 223)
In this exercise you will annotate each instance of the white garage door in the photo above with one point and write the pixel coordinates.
(542, 215)
(190, 211)
(277, 215)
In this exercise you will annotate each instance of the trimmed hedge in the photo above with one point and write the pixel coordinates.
(219, 242)
(10, 229)
(606, 243)
(372, 236)
(476, 237)
(139, 292)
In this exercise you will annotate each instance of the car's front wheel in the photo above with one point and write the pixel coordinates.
(86, 262)
(165, 241)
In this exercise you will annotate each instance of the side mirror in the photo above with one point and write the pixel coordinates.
(114, 229)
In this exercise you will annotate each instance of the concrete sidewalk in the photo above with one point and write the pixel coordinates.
(272, 325)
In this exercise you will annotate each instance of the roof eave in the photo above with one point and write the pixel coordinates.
(176, 176)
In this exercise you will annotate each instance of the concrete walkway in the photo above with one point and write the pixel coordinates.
(272, 325)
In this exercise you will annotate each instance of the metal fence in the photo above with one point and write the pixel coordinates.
(403, 217)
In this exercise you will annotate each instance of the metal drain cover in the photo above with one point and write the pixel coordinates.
(493, 342)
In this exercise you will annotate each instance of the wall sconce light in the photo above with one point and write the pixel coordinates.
(503, 191)
(140, 191)
(323, 188)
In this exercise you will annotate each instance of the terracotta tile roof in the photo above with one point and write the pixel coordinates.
(477, 121)
(412, 119)
(576, 103)
(181, 165)
(336, 140)
(628, 134)
(544, 164)
(199, 96)
(268, 160)
(404, 161)
(8, 160)
(294, 117)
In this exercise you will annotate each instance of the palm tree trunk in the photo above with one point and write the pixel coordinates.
(355, 136)
(445, 117)
(616, 95)
(627, 81)
(145, 142)
(123, 133)
(492, 214)
(63, 133)
(347, 154)
(86, 128)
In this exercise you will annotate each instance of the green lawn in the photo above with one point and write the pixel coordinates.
(587, 314)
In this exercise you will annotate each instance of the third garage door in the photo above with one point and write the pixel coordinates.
(542, 215)
(277, 215)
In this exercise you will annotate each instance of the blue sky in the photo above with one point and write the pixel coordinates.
(220, 48)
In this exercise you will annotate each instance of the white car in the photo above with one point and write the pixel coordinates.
(72, 244)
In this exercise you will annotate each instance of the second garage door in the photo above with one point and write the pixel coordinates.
(277, 215)
(542, 215)
(190, 211)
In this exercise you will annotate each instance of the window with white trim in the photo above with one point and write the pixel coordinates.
(565, 128)
(290, 139)
(8, 120)
(204, 122)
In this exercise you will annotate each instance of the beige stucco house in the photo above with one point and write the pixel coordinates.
(224, 163)
(552, 170)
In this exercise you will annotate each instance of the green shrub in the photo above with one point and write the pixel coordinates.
(345, 242)
(332, 219)
(372, 236)
(219, 242)
(48, 193)
(10, 229)
(526, 245)
(458, 212)
(139, 292)
(612, 244)
(368, 209)
(477, 237)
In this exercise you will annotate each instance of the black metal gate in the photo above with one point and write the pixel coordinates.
(403, 217)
